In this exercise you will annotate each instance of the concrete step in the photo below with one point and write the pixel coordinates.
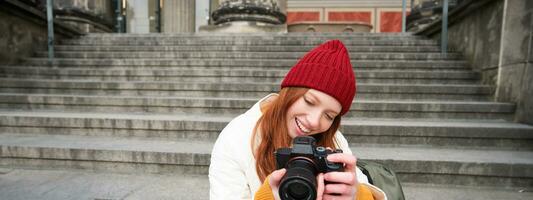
(27, 184)
(191, 89)
(455, 166)
(243, 41)
(451, 133)
(220, 75)
(473, 134)
(104, 154)
(252, 36)
(238, 35)
(247, 38)
(248, 55)
(248, 63)
(69, 184)
(444, 166)
(237, 65)
(212, 48)
(233, 36)
(234, 106)
(446, 192)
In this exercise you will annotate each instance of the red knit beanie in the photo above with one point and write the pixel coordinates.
(326, 68)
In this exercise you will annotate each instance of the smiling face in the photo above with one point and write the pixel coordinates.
(312, 113)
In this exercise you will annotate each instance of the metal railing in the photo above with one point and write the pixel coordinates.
(118, 12)
(50, 21)
(444, 31)
(404, 14)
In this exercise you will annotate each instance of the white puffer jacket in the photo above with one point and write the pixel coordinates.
(232, 173)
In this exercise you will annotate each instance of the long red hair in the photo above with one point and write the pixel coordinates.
(271, 131)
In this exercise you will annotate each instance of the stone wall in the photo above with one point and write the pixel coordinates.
(515, 77)
(496, 38)
(474, 30)
(24, 31)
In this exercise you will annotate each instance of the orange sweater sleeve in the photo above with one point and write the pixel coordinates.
(265, 192)
(364, 193)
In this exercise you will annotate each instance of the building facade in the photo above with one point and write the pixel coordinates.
(382, 15)
(187, 15)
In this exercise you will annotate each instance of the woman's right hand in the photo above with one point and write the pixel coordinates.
(274, 181)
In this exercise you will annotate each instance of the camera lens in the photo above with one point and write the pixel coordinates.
(298, 189)
(299, 181)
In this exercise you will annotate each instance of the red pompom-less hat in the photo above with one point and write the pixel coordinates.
(326, 68)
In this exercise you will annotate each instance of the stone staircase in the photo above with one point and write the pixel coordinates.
(138, 106)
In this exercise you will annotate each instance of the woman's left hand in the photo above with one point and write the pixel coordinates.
(341, 185)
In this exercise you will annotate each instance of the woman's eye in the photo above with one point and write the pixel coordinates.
(329, 117)
(308, 102)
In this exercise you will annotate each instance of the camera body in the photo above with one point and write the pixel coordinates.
(304, 161)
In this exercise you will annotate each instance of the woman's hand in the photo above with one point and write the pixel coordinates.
(274, 181)
(341, 185)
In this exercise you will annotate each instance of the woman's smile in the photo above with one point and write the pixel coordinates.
(302, 129)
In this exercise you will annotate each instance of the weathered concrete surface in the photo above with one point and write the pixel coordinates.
(470, 167)
(234, 106)
(49, 184)
(525, 104)
(446, 192)
(19, 37)
(24, 31)
(477, 35)
(515, 80)
(437, 132)
(495, 36)
(53, 184)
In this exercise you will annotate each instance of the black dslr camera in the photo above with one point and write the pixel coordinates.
(304, 161)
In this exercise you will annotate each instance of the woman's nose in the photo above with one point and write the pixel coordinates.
(314, 120)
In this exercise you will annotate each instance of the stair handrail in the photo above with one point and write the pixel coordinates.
(444, 29)
(404, 5)
(50, 22)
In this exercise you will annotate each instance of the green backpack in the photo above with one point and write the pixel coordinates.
(383, 178)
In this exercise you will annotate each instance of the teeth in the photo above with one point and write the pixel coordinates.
(302, 127)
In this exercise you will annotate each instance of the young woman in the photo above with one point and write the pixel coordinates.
(314, 95)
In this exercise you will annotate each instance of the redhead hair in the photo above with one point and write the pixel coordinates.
(271, 131)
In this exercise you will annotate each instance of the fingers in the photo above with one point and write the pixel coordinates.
(320, 187)
(336, 197)
(342, 184)
(341, 177)
(338, 191)
(276, 176)
(342, 189)
(348, 160)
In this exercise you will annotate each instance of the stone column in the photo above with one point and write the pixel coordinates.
(179, 16)
(267, 12)
(283, 6)
(138, 19)
(212, 7)
(248, 16)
